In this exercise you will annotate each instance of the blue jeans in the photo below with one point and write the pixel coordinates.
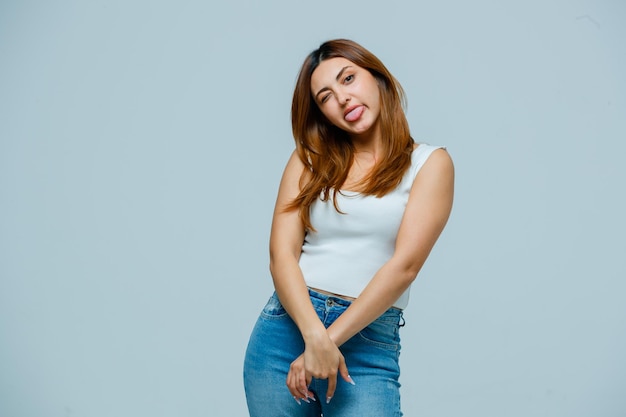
(371, 356)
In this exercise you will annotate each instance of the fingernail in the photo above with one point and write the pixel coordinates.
(306, 400)
(297, 400)
(328, 399)
(350, 380)
(312, 397)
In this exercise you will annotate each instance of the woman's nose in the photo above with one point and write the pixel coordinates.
(344, 98)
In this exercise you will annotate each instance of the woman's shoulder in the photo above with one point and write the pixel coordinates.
(424, 148)
(436, 163)
(423, 152)
(295, 168)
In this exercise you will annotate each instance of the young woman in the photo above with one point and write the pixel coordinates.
(359, 208)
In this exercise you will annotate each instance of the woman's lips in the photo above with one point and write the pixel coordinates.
(353, 113)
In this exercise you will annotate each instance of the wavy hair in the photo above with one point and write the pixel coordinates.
(327, 151)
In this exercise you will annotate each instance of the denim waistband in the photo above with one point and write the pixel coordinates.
(342, 301)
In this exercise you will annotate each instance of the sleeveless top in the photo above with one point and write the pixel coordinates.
(345, 251)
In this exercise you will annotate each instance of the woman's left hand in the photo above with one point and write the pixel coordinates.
(298, 381)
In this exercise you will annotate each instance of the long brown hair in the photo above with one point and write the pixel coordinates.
(327, 151)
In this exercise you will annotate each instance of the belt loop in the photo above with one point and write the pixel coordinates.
(402, 321)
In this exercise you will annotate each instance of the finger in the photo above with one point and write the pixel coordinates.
(332, 384)
(309, 394)
(343, 371)
(302, 385)
(303, 390)
(292, 386)
(293, 383)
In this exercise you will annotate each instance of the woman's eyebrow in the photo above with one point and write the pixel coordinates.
(338, 77)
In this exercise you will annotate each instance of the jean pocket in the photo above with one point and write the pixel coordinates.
(273, 309)
(383, 333)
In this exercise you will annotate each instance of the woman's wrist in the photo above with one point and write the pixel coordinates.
(334, 335)
(314, 333)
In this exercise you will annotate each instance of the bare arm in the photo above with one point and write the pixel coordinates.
(286, 238)
(426, 214)
(322, 358)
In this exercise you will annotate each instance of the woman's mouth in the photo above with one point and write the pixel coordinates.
(353, 113)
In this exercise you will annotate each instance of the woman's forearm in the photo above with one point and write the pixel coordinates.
(294, 296)
(380, 294)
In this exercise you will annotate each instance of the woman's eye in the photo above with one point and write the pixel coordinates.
(325, 98)
(349, 78)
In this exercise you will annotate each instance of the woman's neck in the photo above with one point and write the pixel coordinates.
(369, 143)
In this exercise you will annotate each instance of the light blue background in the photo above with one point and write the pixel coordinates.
(141, 145)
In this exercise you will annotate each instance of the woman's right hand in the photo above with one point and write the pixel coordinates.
(322, 360)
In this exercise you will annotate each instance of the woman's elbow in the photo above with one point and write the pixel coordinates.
(407, 271)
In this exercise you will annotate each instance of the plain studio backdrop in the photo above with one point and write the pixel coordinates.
(141, 145)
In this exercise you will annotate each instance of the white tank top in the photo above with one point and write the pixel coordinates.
(346, 250)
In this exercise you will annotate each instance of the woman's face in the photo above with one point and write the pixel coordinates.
(347, 95)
